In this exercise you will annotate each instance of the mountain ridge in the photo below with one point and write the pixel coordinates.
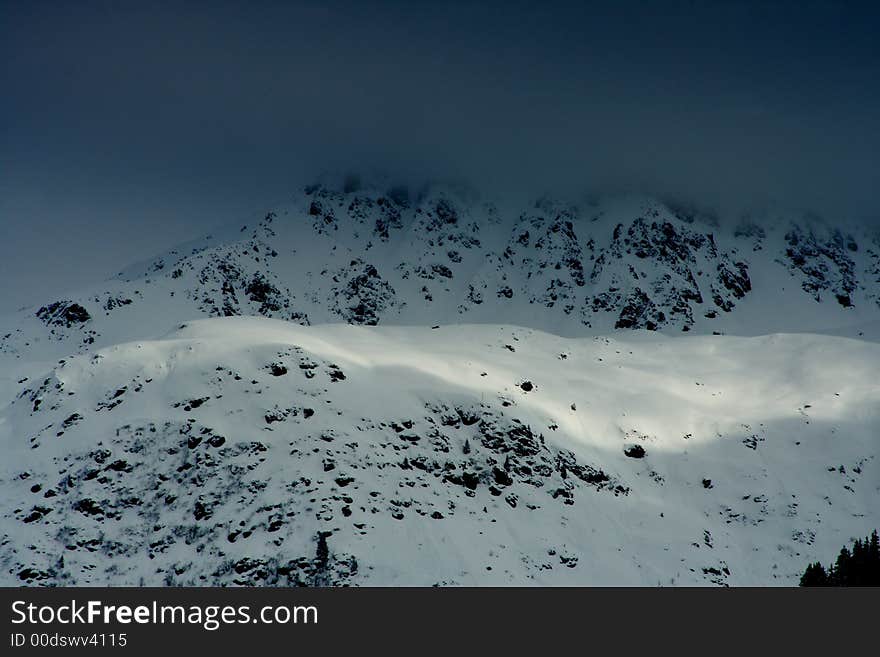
(625, 262)
(369, 386)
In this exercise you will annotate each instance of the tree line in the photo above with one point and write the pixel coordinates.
(856, 566)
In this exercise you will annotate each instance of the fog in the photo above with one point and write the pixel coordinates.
(126, 130)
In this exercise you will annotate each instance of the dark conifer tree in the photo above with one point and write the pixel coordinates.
(321, 573)
(842, 567)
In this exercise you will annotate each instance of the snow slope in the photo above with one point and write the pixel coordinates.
(222, 451)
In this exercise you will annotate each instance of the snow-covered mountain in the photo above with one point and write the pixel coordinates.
(617, 391)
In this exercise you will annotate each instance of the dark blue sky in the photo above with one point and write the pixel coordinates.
(128, 128)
